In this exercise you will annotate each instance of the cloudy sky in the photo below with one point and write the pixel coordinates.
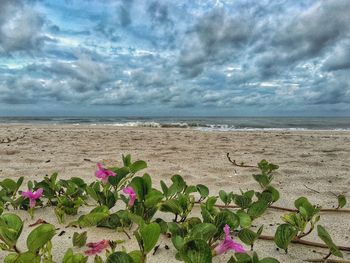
(166, 57)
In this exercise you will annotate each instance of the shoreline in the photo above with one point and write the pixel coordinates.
(199, 129)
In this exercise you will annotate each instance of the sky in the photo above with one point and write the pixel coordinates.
(166, 57)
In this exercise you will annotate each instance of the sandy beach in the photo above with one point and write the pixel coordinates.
(319, 160)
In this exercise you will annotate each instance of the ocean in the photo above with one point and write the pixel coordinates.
(197, 123)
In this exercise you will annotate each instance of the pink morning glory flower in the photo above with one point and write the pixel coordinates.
(132, 195)
(96, 247)
(33, 196)
(103, 173)
(228, 244)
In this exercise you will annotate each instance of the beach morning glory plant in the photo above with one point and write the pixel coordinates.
(103, 173)
(228, 244)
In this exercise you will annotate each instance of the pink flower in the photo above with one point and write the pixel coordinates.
(33, 196)
(96, 247)
(132, 195)
(103, 173)
(228, 244)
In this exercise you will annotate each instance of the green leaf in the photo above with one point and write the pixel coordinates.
(70, 257)
(136, 256)
(243, 258)
(9, 184)
(178, 242)
(274, 193)
(244, 219)
(178, 183)
(303, 205)
(257, 209)
(323, 234)
(11, 227)
(285, 233)
(224, 197)
(126, 160)
(153, 198)
(94, 217)
(341, 201)
(121, 173)
(203, 190)
(138, 166)
(79, 240)
(210, 203)
(260, 230)
(263, 179)
(196, 251)
(140, 187)
(176, 229)
(242, 201)
(172, 206)
(23, 258)
(19, 182)
(40, 236)
(163, 225)
(120, 257)
(165, 189)
(225, 217)
(190, 189)
(136, 219)
(92, 193)
(203, 231)
(247, 236)
(150, 235)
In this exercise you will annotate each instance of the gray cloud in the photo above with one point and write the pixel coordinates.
(339, 59)
(20, 27)
(216, 38)
(165, 54)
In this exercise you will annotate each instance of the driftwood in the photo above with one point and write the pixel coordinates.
(241, 164)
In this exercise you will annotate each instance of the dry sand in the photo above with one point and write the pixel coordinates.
(318, 159)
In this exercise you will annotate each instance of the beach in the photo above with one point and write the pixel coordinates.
(314, 164)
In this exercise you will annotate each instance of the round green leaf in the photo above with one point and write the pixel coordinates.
(137, 166)
(196, 251)
(257, 209)
(120, 257)
(23, 258)
(11, 227)
(203, 231)
(284, 235)
(247, 236)
(150, 235)
(202, 190)
(40, 236)
(244, 219)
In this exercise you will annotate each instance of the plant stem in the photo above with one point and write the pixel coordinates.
(16, 249)
(306, 243)
(305, 234)
(328, 255)
(126, 233)
(143, 258)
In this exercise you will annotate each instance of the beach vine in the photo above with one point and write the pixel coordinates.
(128, 203)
